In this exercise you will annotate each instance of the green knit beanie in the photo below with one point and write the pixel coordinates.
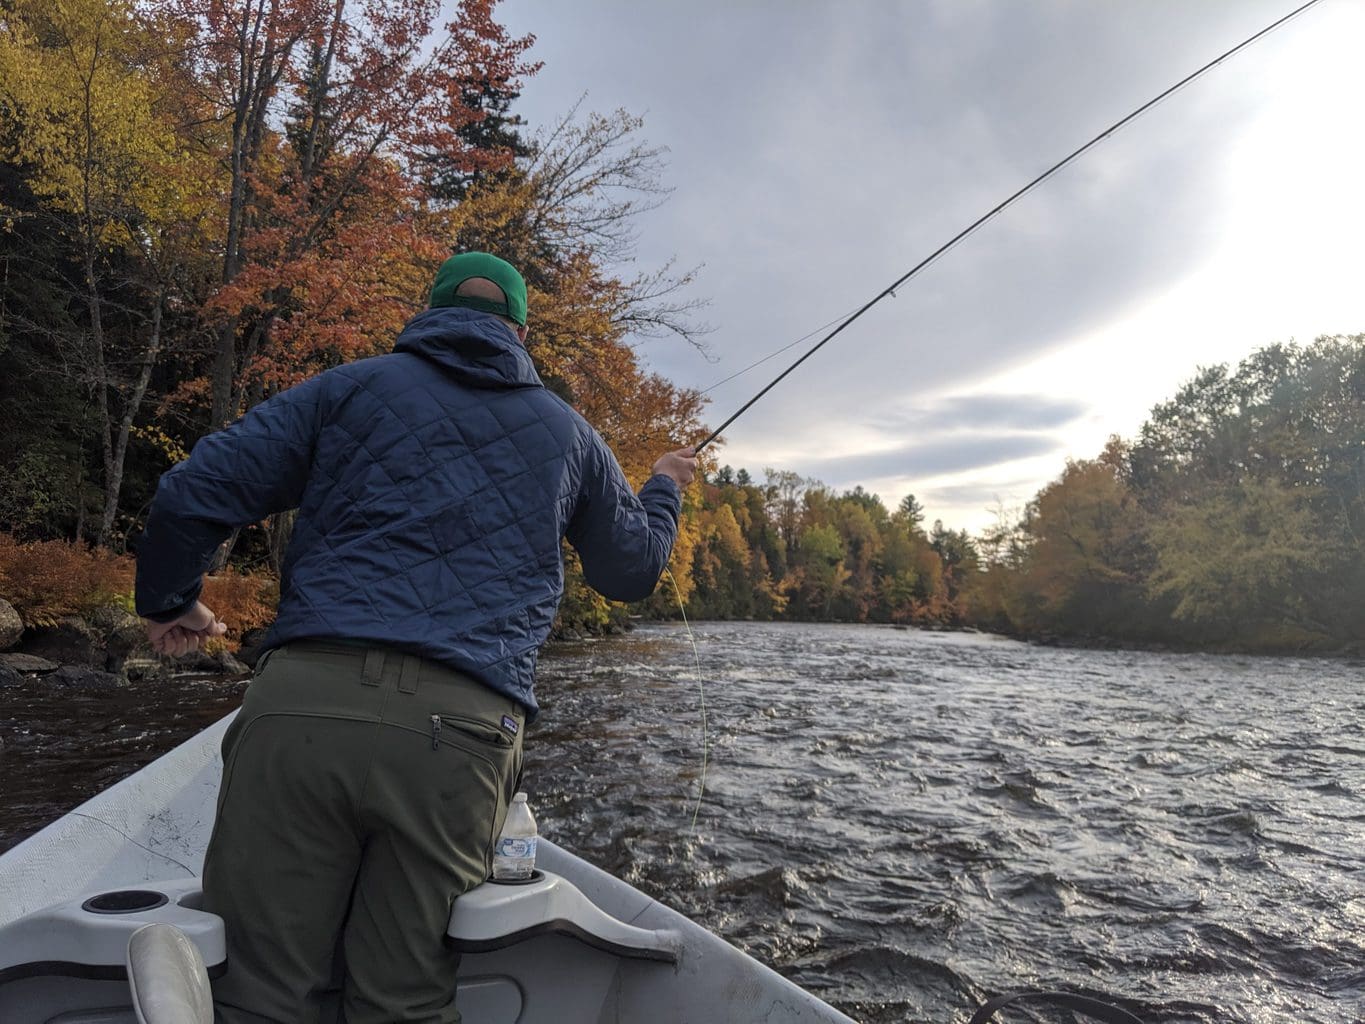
(460, 268)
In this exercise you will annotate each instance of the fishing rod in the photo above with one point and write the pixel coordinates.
(974, 225)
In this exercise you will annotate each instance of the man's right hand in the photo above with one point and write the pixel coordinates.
(185, 634)
(681, 466)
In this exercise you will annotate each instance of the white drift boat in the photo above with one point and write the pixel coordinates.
(575, 945)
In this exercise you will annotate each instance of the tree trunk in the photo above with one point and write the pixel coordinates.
(100, 384)
(224, 552)
(280, 530)
(113, 482)
(257, 78)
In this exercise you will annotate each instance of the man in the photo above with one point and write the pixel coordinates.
(376, 753)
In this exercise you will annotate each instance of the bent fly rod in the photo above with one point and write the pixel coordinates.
(974, 225)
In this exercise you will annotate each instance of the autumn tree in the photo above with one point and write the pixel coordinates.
(1086, 556)
(90, 120)
(328, 238)
(910, 511)
(567, 214)
(1257, 479)
(1234, 519)
(819, 570)
(784, 489)
(912, 583)
(1238, 565)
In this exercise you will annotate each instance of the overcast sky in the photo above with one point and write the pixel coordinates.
(818, 150)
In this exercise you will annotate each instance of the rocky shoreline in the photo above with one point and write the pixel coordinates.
(106, 649)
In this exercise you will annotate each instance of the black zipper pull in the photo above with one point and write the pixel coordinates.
(435, 730)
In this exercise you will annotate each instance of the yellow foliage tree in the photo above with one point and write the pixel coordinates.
(1088, 545)
(87, 110)
(1242, 558)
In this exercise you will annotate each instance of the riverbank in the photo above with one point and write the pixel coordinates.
(106, 649)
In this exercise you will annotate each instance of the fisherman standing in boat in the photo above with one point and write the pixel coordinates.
(368, 773)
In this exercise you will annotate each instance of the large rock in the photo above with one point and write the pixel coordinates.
(251, 648)
(26, 663)
(221, 664)
(121, 633)
(9, 677)
(11, 626)
(146, 668)
(230, 665)
(197, 661)
(77, 678)
(70, 642)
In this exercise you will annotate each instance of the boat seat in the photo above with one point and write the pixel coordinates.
(167, 976)
(542, 952)
(496, 915)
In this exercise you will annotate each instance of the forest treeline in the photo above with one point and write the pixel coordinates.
(1235, 519)
(202, 204)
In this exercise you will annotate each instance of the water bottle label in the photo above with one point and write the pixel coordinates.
(519, 848)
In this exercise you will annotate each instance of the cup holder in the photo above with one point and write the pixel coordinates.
(124, 901)
(536, 876)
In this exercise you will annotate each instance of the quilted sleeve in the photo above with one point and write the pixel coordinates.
(243, 473)
(624, 539)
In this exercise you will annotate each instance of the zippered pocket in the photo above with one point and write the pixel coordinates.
(470, 728)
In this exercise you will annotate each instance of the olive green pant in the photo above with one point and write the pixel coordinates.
(362, 793)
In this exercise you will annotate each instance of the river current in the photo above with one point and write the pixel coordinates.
(908, 822)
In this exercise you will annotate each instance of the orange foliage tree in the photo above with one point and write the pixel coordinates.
(1087, 549)
(320, 110)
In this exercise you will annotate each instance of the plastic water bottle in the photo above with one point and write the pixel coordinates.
(514, 858)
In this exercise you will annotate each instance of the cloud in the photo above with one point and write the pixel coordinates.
(818, 151)
(934, 458)
(1009, 493)
(1002, 411)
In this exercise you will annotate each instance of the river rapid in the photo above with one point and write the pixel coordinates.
(908, 822)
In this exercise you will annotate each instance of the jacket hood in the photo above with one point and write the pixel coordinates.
(476, 348)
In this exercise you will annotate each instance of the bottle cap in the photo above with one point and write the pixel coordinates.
(520, 798)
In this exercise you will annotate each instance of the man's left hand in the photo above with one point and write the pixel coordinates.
(185, 634)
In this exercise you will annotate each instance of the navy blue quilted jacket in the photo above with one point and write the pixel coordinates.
(434, 486)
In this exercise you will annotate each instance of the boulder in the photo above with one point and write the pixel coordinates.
(120, 633)
(197, 661)
(251, 648)
(9, 677)
(75, 677)
(230, 665)
(70, 642)
(27, 663)
(11, 626)
(146, 668)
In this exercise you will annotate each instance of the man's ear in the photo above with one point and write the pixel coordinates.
(522, 331)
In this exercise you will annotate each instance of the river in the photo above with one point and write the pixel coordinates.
(907, 822)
